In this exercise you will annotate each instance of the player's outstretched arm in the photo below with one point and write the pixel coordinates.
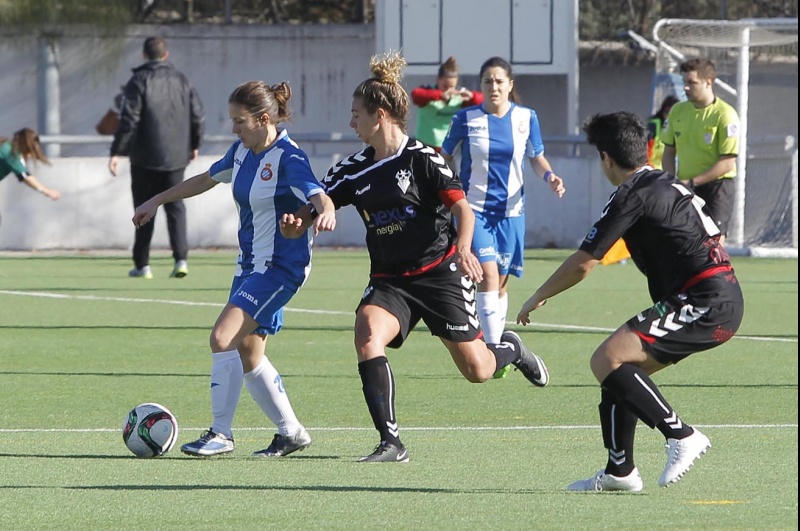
(573, 270)
(188, 188)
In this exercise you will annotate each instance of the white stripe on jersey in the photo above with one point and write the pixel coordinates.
(476, 138)
(265, 186)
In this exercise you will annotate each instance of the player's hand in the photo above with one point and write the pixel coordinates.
(465, 94)
(530, 305)
(449, 93)
(326, 221)
(113, 163)
(291, 226)
(55, 195)
(468, 264)
(557, 184)
(144, 213)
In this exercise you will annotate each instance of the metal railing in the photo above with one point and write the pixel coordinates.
(311, 142)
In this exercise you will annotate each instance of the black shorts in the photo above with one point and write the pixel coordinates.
(699, 318)
(718, 196)
(443, 298)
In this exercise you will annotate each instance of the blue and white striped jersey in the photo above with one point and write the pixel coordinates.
(490, 153)
(265, 186)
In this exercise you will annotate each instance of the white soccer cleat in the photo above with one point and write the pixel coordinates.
(602, 482)
(681, 455)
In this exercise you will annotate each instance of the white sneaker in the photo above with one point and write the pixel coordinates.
(209, 443)
(681, 455)
(606, 482)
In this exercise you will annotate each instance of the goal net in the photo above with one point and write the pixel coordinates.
(756, 63)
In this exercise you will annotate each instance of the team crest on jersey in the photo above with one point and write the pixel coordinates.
(266, 172)
(708, 137)
(403, 179)
(522, 127)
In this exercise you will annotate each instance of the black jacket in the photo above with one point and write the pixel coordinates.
(161, 121)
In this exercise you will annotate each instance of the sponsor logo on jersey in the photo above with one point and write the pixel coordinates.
(361, 191)
(266, 172)
(392, 215)
(458, 328)
(403, 179)
(389, 221)
(389, 229)
(476, 128)
(237, 162)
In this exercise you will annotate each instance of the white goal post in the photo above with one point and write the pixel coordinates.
(758, 58)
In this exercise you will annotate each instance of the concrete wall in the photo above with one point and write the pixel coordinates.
(95, 209)
(323, 64)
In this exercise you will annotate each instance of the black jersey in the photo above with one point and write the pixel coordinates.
(398, 199)
(670, 238)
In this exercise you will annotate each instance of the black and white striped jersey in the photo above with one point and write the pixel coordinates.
(398, 199)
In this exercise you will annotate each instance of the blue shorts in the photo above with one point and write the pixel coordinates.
(262, 296)
(500, 239)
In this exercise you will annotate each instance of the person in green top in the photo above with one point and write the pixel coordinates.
(703, 133)
(438, 104)
(14, 155)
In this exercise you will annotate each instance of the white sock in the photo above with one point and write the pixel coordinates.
(266, 387)
(504, 309)
(226, 388)
(489, 316)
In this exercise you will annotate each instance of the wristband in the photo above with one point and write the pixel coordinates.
(546, 176)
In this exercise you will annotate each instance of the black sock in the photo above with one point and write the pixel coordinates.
(504, 354)
(378, 386)
(619, 427)
(633, 387)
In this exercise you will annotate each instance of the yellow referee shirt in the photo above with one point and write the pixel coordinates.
(701, 136)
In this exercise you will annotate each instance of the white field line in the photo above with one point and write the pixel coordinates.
(420, 428)
(42, 294)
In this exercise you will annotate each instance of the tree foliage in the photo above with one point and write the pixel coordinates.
(599, 19)
(602, 20)
(39, 14)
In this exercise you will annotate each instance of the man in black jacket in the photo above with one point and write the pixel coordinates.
(161, 125)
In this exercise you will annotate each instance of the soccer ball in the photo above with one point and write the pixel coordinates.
(150, 430)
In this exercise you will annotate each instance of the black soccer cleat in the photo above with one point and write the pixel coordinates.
(386, 453)
(283, 445)
(529, 364)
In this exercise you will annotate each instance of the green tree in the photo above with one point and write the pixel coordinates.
(602, 20)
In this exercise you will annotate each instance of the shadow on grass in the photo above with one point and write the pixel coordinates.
(306, 488)
(173, 457)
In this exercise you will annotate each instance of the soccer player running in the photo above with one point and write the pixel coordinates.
(269, 175)
(420, 268)
(489, 144)
(698, 303)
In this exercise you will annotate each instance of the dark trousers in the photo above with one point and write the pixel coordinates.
(145, 184)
